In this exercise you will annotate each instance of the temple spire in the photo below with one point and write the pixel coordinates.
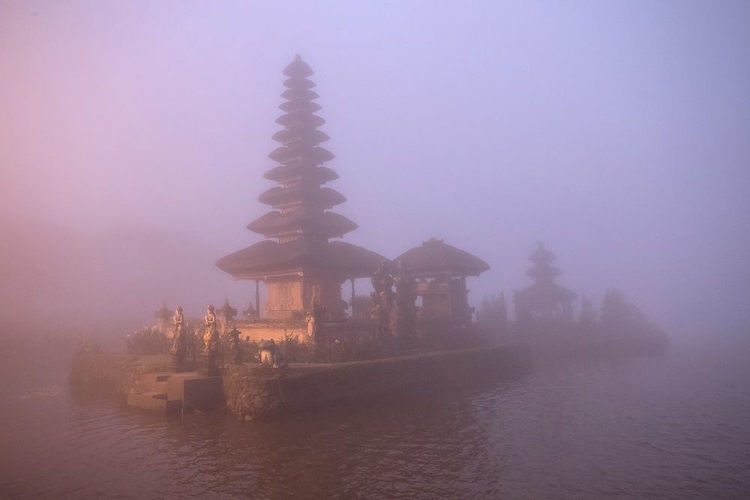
(301, 203)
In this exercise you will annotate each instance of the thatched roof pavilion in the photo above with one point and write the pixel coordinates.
(441, 270)
(434, 257)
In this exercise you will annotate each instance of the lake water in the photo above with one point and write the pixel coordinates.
(677, 427)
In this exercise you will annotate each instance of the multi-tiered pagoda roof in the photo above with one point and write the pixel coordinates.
(544, 291)
(301, 221)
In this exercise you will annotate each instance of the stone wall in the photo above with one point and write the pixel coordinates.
(254, 392)
(262, 330)
(115, 372)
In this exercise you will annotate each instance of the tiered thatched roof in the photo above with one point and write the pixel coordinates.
(434, 258)
(301, 220)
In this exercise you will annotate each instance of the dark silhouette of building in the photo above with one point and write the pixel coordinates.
(544, 301)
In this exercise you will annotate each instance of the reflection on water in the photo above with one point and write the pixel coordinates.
(673, 427)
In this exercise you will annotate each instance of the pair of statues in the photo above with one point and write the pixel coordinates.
(181, 342)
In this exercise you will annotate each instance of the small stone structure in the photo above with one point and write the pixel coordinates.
(235, 346)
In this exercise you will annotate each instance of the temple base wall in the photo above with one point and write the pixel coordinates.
(291, 297)
(255, 393)
(259, 330)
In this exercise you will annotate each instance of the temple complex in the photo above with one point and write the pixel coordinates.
(440, 272)
(544, 299)
(297, 261)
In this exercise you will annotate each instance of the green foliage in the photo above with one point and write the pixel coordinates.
(148, 341)
(293, 350)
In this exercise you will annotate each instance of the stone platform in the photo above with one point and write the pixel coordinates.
(174, 393)
(254, 392)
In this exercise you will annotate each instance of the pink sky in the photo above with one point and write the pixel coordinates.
(615, 132)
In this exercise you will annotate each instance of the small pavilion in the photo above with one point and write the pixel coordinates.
(544, 299)
(298, 262)
(440, 271)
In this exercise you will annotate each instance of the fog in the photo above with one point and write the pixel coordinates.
(134, 137)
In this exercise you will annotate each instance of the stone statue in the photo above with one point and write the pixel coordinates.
(382, 298)
(179, 341)
(270, 355)
(211, 340)
(382, 281)
(211, 332)
(235, 346)
(406, 311)
(178, 321)
(311, 326)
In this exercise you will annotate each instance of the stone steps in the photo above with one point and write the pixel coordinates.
(154, 401)
(173, 393)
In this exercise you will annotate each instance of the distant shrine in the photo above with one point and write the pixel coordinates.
(544, 300)
(299, 264)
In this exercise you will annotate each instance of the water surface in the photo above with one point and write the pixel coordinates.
(671, 427)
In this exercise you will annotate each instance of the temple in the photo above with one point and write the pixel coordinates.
(440, 272)
(544, 300)
(297, 261)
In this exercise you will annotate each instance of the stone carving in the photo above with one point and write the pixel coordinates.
(211, 341)
(179, 341)
(235, 346)
(270, 355)
(211, 332)
(382, 299)
(406, 310)
(313, 319)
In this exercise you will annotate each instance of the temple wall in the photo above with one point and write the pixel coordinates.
(294, 294)
(115, 372)
(253, 392)
(285, 295)
(266, 331)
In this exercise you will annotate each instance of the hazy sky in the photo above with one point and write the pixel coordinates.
(616, 132)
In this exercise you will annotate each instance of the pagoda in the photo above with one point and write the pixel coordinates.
(544, 299)
(297, 261)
